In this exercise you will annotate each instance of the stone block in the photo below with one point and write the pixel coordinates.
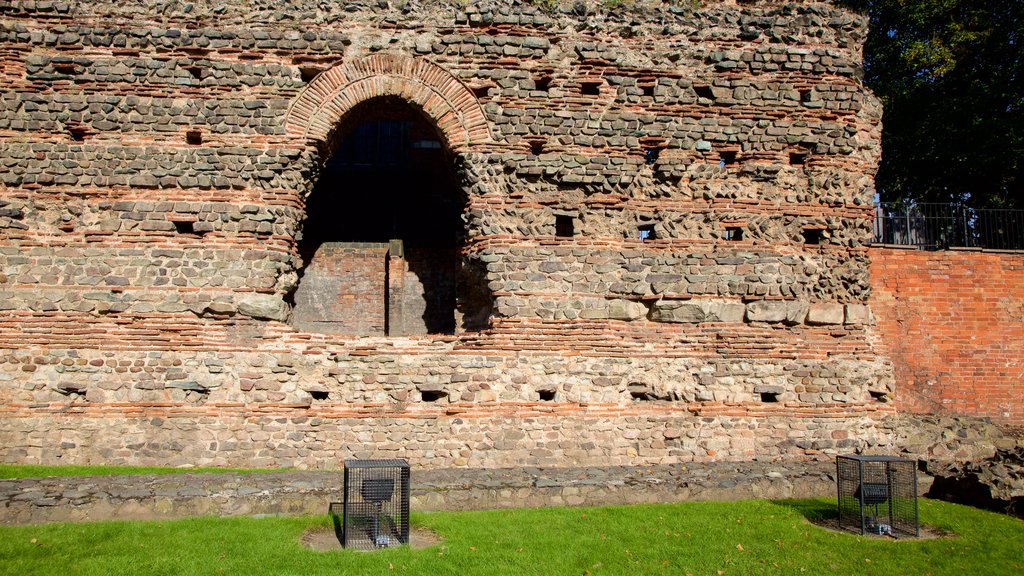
(695, 311)
(430, 387)
(677, 311)
(858, 314)
(263, 307)
(186, 385)
(822, 314)
(766, 311)
(722, 311)
(796, 312)
(221, 308)
(625, 310)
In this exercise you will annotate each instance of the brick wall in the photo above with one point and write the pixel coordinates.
(343, 290)
(953, 324)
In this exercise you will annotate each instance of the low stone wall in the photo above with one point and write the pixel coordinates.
(77, 499)
(936, 440)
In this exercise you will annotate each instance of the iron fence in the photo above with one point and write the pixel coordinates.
(939, 226)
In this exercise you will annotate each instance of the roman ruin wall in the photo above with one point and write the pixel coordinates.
(659, 251)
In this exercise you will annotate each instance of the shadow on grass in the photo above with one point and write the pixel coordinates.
(336, 510)
(818, 511)
(824, 513)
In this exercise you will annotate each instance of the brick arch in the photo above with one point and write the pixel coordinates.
(325, 101)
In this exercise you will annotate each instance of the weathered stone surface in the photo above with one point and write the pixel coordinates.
(858, 314)
(696, 311)
(626, 310)
(717, 311)
(996, 482)
(675, 311)
(825, 314)
(796, 312)
(263, 307)
(227, 308)
(767, 311)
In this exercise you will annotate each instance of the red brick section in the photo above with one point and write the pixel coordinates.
(953, 323)
(443, 98)
(342, 294)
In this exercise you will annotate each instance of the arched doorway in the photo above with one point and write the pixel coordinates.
(383, 227)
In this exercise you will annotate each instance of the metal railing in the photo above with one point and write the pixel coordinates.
(938, 226)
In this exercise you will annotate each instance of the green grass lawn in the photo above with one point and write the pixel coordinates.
(36, 471)
(699, 538)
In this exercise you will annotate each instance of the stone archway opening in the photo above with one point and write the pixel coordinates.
(380, 244)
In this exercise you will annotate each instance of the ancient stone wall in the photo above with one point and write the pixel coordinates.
(953, 324)
(663, 256)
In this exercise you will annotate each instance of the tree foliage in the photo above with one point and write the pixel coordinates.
(950, 74)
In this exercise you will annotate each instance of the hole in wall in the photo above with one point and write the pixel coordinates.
(733, 233)
(64, 68)
(647, 90)
(565, 226)
(197, 397)
(797, 158)
(184, 227)
(309, 73)
(769, 396)
(645, 232)
(590, 88)
(194, 137)
(77, 133)
(536, 147)
(805, 94)
(641, 392)
(71, 389)
(542, 83)
(651, 155)
(726, 158)
(433, 395)
(319, 394)
(546, 395)
(195, 71)
(813, 236)
(879, 395)
(480, 91)
(704, 92)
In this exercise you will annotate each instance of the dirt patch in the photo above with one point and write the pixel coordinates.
(927, 532)
(326, 539)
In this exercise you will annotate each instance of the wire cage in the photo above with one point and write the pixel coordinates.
(878, 495)
(376, 506)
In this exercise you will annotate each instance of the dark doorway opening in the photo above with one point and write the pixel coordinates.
(389, 179)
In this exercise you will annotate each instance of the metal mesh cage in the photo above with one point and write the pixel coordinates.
(877, 495)
(376, 506)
